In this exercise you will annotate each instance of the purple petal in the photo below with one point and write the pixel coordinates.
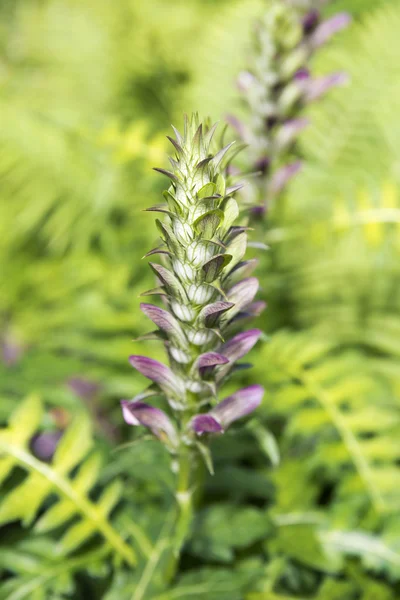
(256, 308)
(207, 361)
(44, 444)
(237, 125)
(245, 81)
(310, 20)
(283, 175)
(84, 388)
(238, 405)
(262, 164)
(157, 372)
(206, 424)
(259, 211)
(290, 130)
(10, 352)
(302, 74)
(211, 359)
(163, 319)
(140, 413)
(328, 28)
(316, 88)
(240, 344)
(211, 313)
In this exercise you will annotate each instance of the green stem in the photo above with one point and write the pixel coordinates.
(184, 499)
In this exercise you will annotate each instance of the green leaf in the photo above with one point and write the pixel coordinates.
(207, 225)
(44, 481)
(221, 529)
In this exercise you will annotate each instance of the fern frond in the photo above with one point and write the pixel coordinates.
(341, 271)
(38, 572)
(339, 417)
(70, 478)
(353, 141)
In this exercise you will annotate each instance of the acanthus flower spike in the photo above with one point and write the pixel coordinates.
(206, 291)
(276, 87)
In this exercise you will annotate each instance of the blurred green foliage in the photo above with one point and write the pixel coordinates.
(304, 503)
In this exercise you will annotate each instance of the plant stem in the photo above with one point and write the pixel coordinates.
(184, 499)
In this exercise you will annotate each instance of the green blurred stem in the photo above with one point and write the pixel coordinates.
(184, 499)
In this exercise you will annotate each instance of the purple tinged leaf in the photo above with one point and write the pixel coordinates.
(157, 336)
(243, 270)
(206, 424)
(234, 188)
(210, 134)
(164, 320)
(160, 250)
(168, 279)
(140, 413)
(207, 224)
(210, 314)
(178, 136)
(167, 173)
(157, 372)
(283, 175)
(204, 162)
(328, 28)
(240, 344)
(316, 88)
(161, 208)
(239, 405)
(198, 136)
(167, 236)
(220, 155)
(241, 294)
(214, 266)
(175, 144)
(158, 291)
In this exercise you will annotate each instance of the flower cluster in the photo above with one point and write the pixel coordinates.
(208, 294)
(278, 87)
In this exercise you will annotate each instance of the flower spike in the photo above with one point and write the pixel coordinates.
(276, 89)
(206, 290)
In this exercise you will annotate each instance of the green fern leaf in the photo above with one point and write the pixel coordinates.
(43, 481)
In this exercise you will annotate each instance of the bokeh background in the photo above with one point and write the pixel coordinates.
(88, 91)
